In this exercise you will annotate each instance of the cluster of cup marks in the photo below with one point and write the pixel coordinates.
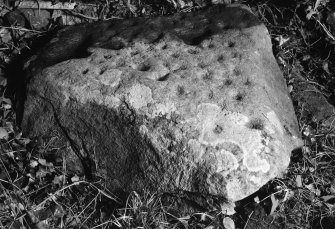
(146, 66)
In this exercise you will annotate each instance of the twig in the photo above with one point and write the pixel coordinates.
(21, 29)
(3, 5)
(6, 171)
(246, 223)
(57, 192)
(92, 18)
(83, 15)
(325, 29)
(94, 199)
(10, 184)
(114, 221)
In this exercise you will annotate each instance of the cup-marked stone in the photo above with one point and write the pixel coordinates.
(191, 102)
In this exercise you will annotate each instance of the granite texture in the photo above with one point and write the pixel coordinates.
(191, 102)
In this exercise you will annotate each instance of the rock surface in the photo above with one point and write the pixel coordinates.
(311, 103)
(192, 102)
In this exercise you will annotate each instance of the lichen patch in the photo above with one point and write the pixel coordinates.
(140, 96)
(254, 162)
(111, 77)
(234, 128)
(111, 101)
(196, 149)
(234, 189)
(226, 162)
(164, 110)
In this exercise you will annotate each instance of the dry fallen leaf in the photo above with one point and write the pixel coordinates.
(314, 190)
(228, 208)
(42, 161)
(275, 203)
(209, 227)
(256, 199)
(311, 13)
(42, 225)
(58, 180)
(289, 194)
(326, 67)
(327, 198)
(3, 133)
(290, 88)
(317, 3)
(6, 100)
(75, 178)
(298, 181)
(202, 217)
(228, 223)
(330, 206)
(282, 40)
(33, 163)
(41, 173)
(5, 35)
(332, 189)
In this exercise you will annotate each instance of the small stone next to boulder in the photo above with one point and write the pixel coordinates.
(191, 102)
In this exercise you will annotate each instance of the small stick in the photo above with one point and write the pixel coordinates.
(21, 29)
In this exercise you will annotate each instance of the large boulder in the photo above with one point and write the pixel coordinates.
(192, 102)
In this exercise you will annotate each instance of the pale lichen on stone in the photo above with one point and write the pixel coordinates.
(112, 101)
(143, 130)
(161, 109)
(234, 189)
(233, 128)
(111, 77)
(226, 162)
(196, 149)
(140, 96)
(252, 159)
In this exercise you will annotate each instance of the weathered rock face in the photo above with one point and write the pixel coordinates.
(192, 102)
(314, 106)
